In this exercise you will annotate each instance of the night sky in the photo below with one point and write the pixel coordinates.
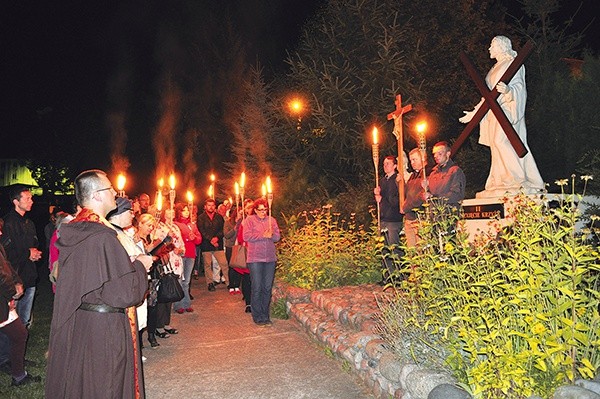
(67, 64)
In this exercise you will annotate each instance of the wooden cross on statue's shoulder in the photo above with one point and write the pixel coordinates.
(490, 102)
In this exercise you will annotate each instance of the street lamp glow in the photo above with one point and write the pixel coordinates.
(296, 106)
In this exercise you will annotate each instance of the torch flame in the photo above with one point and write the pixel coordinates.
(159, 201)
(172, 181)
(161, 182)
(121, 182)
(189, 196)
(264, 190)
(236, 186)
(212, 177)
(375, 135)
(421, 126)
(243, 180)
(269, 189)
(210, 191)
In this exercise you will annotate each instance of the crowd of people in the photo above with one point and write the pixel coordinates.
(106, 262)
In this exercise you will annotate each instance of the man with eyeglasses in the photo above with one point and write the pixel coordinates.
(94, 349)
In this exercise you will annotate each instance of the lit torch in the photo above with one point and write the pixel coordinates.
(212, 179)
(161, 183)
(421, 127)
(159, 206)
(121, 185)
(190, 199)
(269, 198)
(242, 185)
(375, 151)
(172, 190)
(236, 187)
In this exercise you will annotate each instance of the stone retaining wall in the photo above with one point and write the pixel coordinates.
(343, 319)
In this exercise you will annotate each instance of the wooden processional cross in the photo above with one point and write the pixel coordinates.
(396, 115)
(490, 102)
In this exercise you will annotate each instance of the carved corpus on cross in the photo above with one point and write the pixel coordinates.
(490, 102)
(396, 115)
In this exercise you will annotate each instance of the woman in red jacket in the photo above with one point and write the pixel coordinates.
(191, 237)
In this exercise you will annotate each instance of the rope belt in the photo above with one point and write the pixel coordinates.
(100, 308)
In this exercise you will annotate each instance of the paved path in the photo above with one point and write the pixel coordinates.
(220, 353)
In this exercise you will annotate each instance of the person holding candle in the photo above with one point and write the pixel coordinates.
(261, 232)
(210, 225)
(191, 237)
(388, 197)
(243, 274)
(414, 196)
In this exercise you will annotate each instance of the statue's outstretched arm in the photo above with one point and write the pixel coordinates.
(470, 114)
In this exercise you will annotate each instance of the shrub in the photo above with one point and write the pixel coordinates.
(323, 249)
(511, 314)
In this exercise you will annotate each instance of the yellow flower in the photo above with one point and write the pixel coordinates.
(561, 182)
(538, 329)
(448, 247)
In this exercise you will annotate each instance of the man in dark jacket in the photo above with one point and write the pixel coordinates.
(210, 225)
(20, 242)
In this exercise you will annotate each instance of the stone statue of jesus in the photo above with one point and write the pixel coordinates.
(508, 173)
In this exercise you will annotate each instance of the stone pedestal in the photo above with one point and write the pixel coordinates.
(481, 213)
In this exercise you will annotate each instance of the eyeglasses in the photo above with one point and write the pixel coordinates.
(261, 209)
(104, 189)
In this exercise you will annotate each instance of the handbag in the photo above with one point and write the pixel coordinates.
(169, 287)
(238, 257)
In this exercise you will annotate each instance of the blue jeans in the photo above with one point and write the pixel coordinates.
(188, 266)
(24, 306)
(262, 275)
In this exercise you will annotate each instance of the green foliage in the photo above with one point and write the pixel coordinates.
(356, 56)
(51, 176)
(322, 249)
(279, 309)
(512, 314)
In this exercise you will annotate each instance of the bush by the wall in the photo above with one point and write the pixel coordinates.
(511, 315)
(323, 249)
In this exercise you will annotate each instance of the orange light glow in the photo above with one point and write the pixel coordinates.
(243, 180)
(121, 182)
(189, 196)
(375, 136)
(172, 181)
(421, 126)
(159, 201)
(236, 186)
(269, 188)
